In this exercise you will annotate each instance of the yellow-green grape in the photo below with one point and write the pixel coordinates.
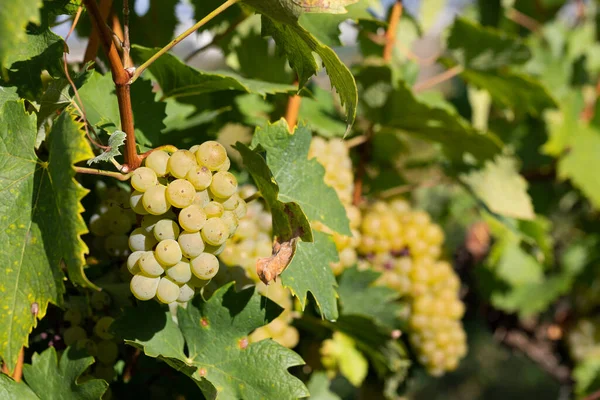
(158, 161)
(231, 203)
(100, 300)
(198, 283)
(98, 225)
(205, 266)
(108, 351)
(116, 245)
(194, 148)
(216, 250)
(335, 158)
(89, 345)
(191, 244)
(118, 220)
(180, 273)
(223, 185)
(143, 179)
(144, 287)
(214, 209)
(225, 166)
(180, 163)
(73, 334)
(288, 338)
(149, 265)
(180, 193)
(186, 293)
(200, 177)
(149, 221)
(167, 291)
(135, 201)
(102, 328)
(192, 218)
(140, 240)
(201, 198)
(155, 200)
(106, 372)
(132, 262)
(73, 316)
(168, 252)
(211, 154)
(215, 232)
(241, 210)
(583, 340)
(231, 221)
(166, 229)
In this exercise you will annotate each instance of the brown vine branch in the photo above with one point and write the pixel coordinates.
(18, 374)
(524, 20)
(93, 171)
(593, 396)
(127, 63)
(91, 50)
(437, 79)
(216, 39)
(390, 34)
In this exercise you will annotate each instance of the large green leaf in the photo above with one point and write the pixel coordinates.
(318, 386)
(8, 94)
(41, 224)
(11, 390)
(55, 379)
(220, 359)
(321, 115)
(14, 17)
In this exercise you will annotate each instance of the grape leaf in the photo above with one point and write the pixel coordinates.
(300, 180)
(499, 185)
(116, 140)
(62, 7)
(220, 359)
(11, 390)
(55, 379)
(309, 271)
(176, 79)
(321, 114)
(318, 386)
(14, 17)
(39, 202)
(8, 94)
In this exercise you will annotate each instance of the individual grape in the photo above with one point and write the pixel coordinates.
(98, 225)
(168, 291)
(73, 334)
(149, 221)
(132, 262)
(241, 210)
(158, 161)
(180, 163)
(100, 300)
(135, 201)
(107, 352)
(192, 218)
(288, 338)
(155, 200)
(73, 316)
(196, 282)
(168, 252)
(194, 148)
(180, 193)
(149, 264)
(89, 345)
(102, 328)
(216, 250)
(224, 185)
(231, 203)
(231, 221)
(116, 245)
(143, 179)
(215, 232)
(205, 266)
(140, 240)
(144, 287)
(225, 166)
(166, 229)
(117, 220)
(214, 209)
(186, 293)
(200, 177)
(180, 273)
(191, 244)
(201, 198)
(211, 154)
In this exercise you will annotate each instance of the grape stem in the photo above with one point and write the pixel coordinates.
(94, 41)
(253, 197)
(168, 148)
(292, 110)
(179, 38)
(93, 171)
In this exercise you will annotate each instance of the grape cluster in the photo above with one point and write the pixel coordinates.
(334, 156)
(583, 340)
(405, 246)
(279, 329)
(190, 207)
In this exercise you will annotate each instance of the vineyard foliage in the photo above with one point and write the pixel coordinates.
(299, 198)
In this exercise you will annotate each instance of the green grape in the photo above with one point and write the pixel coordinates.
(231, 221)
(140, 240)
(201, 198)
(205, 266)
(89, 345)
(158, 161)
(100, 300)
(225, 166)
(73, 334)
(181, 162)
(155, 200)
(149, 265)
(192, 218)
(215, 232)
(108, 351)
(180, 273)
(166, 229)
(73, 316)
(196, 282)
(168, 252)
(116, 245)
(214, 209)
(194, 148)
(135, 201)
(211, 154)
(149, 221)
(200, 177)
(231, 203)
(191, 244)
(143, 179)
(99, 226)
(132, 262)
(144, 287)
(168, 291)
(186, 293)
(118, 221)
(102, 328)
(241, 210)
(180, 193)
(224, 185)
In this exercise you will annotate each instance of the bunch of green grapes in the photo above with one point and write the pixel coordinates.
(279, 329)
(583, 340)
(112, 221)
(190, 207)
(405, 246)
(334, 156)
(89, 329)
(252, 239)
